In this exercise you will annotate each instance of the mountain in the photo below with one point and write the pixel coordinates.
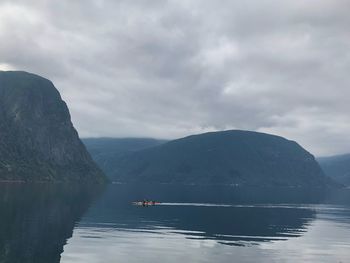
(106, 152)
(37, 139)
(227, 157)
(337, 167)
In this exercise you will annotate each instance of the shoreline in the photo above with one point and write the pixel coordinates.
(13, 181)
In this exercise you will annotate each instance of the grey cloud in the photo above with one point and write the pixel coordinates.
(171, 68)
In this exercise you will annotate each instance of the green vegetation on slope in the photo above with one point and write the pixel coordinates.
(228, 157)
(106, 152)
(37, 139)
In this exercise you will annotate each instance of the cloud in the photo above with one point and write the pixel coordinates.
(167, 69)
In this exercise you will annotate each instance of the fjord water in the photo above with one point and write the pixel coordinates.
(58, 223)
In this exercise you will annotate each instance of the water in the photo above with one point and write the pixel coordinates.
(57, 223)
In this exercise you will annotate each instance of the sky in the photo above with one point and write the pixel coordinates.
(168, 69)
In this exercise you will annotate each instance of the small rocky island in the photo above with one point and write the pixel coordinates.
(37, 139)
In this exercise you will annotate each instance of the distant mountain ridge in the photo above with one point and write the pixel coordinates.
(37, 139)
(337, 167)
(106, 152)
(228, 157)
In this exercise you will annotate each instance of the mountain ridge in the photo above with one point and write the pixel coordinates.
(106, 151)
(337, 167)
(235, 157)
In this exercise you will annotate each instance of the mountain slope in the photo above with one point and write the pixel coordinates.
(37, 139)
(106, 152)
(337, 167)
(228, 157)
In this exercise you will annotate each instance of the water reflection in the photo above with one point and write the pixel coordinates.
(240, 224)
(202, 224)
(215, 224)
(36, 220)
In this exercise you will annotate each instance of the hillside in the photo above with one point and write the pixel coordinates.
(37, 139)
(107, 152)
(228, 157)
(337, 167)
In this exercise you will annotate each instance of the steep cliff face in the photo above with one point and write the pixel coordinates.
(37, 139)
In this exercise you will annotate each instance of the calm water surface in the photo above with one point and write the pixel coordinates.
(193, 224)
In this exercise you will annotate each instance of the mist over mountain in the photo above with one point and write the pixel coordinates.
(337, 167)
(37, 139)
(228, 157)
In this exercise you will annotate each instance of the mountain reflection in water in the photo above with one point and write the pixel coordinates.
(37, 220)
(193, 223)
(232, 224)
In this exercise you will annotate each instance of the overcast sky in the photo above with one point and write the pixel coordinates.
(167, 69)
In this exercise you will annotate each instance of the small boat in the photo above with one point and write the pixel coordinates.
(146, 203)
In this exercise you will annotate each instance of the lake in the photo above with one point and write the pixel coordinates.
(60, 223)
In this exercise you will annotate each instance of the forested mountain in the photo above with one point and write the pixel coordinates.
(228, 157)
(107, 151)
(37, 139)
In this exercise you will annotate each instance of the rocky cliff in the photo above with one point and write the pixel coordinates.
(37, 139)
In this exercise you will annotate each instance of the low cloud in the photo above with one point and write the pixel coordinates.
(167, 69)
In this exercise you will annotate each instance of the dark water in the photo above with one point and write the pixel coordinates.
(57, 223)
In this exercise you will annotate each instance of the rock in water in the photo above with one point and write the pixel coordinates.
(37, 139)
